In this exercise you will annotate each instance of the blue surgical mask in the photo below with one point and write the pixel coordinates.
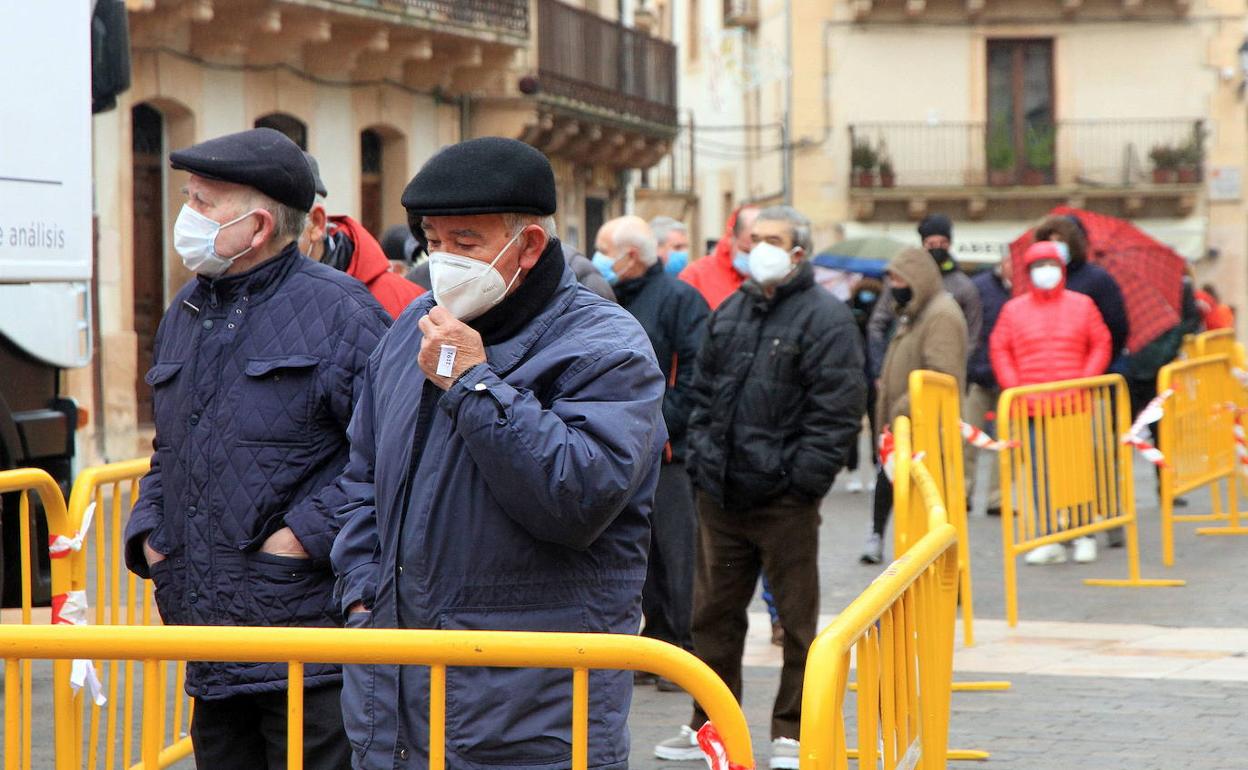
(866, 297)
(676, 261)
(606, 266)
(741, 262)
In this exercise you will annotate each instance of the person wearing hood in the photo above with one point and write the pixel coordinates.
(345, 245)
(777, 396)
(1047, 334)
(936, 230)
(674, 317)
(720, 273)
(931, 334)
(994, 287)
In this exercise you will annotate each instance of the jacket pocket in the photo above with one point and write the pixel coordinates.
(168, 597)
(276, 400)
(486, 723)
(160, 377)
(285, 591)
(359, 685)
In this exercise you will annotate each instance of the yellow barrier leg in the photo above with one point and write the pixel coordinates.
(294, 716)
(150, 739)
(984, 686)
(1133, 567)
(580, 719)
(437, 717)
(12, 713)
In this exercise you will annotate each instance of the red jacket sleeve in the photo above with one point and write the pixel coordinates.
(1100, 343)
(1001, 348)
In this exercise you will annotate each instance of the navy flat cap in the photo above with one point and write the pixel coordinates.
(316, 175)
(261, 158)
(490, 175)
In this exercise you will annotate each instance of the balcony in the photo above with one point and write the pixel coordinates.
(594, 65)
(976, 11)
(1131, 168)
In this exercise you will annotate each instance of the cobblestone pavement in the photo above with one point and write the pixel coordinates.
(1139, 678)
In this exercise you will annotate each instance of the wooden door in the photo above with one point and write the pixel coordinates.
(1022, 132)
(148, 229)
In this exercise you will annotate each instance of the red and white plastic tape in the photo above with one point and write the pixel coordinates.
(981, 440)
(70, 609)
(1135, 434)
(713, 747)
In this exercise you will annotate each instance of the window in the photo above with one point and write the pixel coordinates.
(292, 127)
(1021, 137)
(371, 147)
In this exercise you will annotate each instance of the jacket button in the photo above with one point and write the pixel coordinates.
(191, 510)
(403, 753)
(195, 419)
(194, 597)
(208, 323)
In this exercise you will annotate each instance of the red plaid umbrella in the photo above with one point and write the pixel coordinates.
(1149, 272)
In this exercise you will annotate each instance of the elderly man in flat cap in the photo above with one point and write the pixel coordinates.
(504, 457)
(258, 364)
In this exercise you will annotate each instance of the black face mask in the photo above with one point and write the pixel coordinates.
(944, 260)
(903, 296)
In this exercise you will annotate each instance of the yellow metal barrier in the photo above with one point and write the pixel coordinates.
(436, 649)
(1220, 342)
(900, 632)
(1070, 474)
(19, 675)
(1188, 348)
(119, 598)
(1199, 444)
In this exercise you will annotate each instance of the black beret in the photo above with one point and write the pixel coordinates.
(936, 224)
(490, 175)
(261, 158)
(316, 175)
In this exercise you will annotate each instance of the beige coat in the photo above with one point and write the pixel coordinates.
(930, 334)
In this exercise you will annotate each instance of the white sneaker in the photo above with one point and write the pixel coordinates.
(681, 748)
(1053, 553)
(785, 754)
(1085, 549)
(854, 485)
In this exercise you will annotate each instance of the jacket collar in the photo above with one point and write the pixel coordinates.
(507, 354)
(802, 278)
(258, 282)
(626, 290)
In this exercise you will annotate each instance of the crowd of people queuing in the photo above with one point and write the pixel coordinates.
(509, 434)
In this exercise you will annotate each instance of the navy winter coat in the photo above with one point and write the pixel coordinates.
(673, 314)
(255, 377)
(1095, 282)
(992, 297)
(517, 500)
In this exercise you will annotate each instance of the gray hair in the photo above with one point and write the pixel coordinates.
(665, 226)
(288, 222)
(517, 222)
(799, 225)
(633, 232)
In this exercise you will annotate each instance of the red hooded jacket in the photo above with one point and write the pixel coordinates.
(714, 276)
(1048, 335)
(370, 266)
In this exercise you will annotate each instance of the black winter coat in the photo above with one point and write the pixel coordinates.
(673, 314)
(992, 297)
(778, 394)
(1095, 282)
(255, 378)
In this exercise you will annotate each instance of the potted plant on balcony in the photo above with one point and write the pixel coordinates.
(1000, 152)
(1165, 164)
(863, 157)
(1040, 147)
(888, 177)
(1190, 157)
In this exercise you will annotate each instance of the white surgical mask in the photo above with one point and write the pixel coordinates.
(1046, 277)
(468, 287)
(770, 264)
(195, 239)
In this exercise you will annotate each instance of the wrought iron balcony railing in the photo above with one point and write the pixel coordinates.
(506, 15)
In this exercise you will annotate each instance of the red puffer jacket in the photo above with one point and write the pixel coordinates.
(1045, 336)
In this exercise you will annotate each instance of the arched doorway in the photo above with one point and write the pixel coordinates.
(292, 127)
(383, 174)
(147, 128)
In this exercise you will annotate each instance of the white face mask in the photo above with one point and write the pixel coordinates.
(1046, 277)
(195, 239)
(468, 287)
(770, 264)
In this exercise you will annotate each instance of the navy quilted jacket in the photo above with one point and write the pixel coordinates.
(518, 500)
(255, 378)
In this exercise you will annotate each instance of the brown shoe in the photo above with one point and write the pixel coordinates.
(777, 634)
(666, 685)
(642, 678)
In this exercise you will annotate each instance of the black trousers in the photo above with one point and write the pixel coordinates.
(667, 598)
(248, 732)
(882, 505)
(780, 538)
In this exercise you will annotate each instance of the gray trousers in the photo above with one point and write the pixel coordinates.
(979, 402)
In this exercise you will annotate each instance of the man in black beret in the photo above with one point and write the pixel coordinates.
(504, 457)
(257, 364)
